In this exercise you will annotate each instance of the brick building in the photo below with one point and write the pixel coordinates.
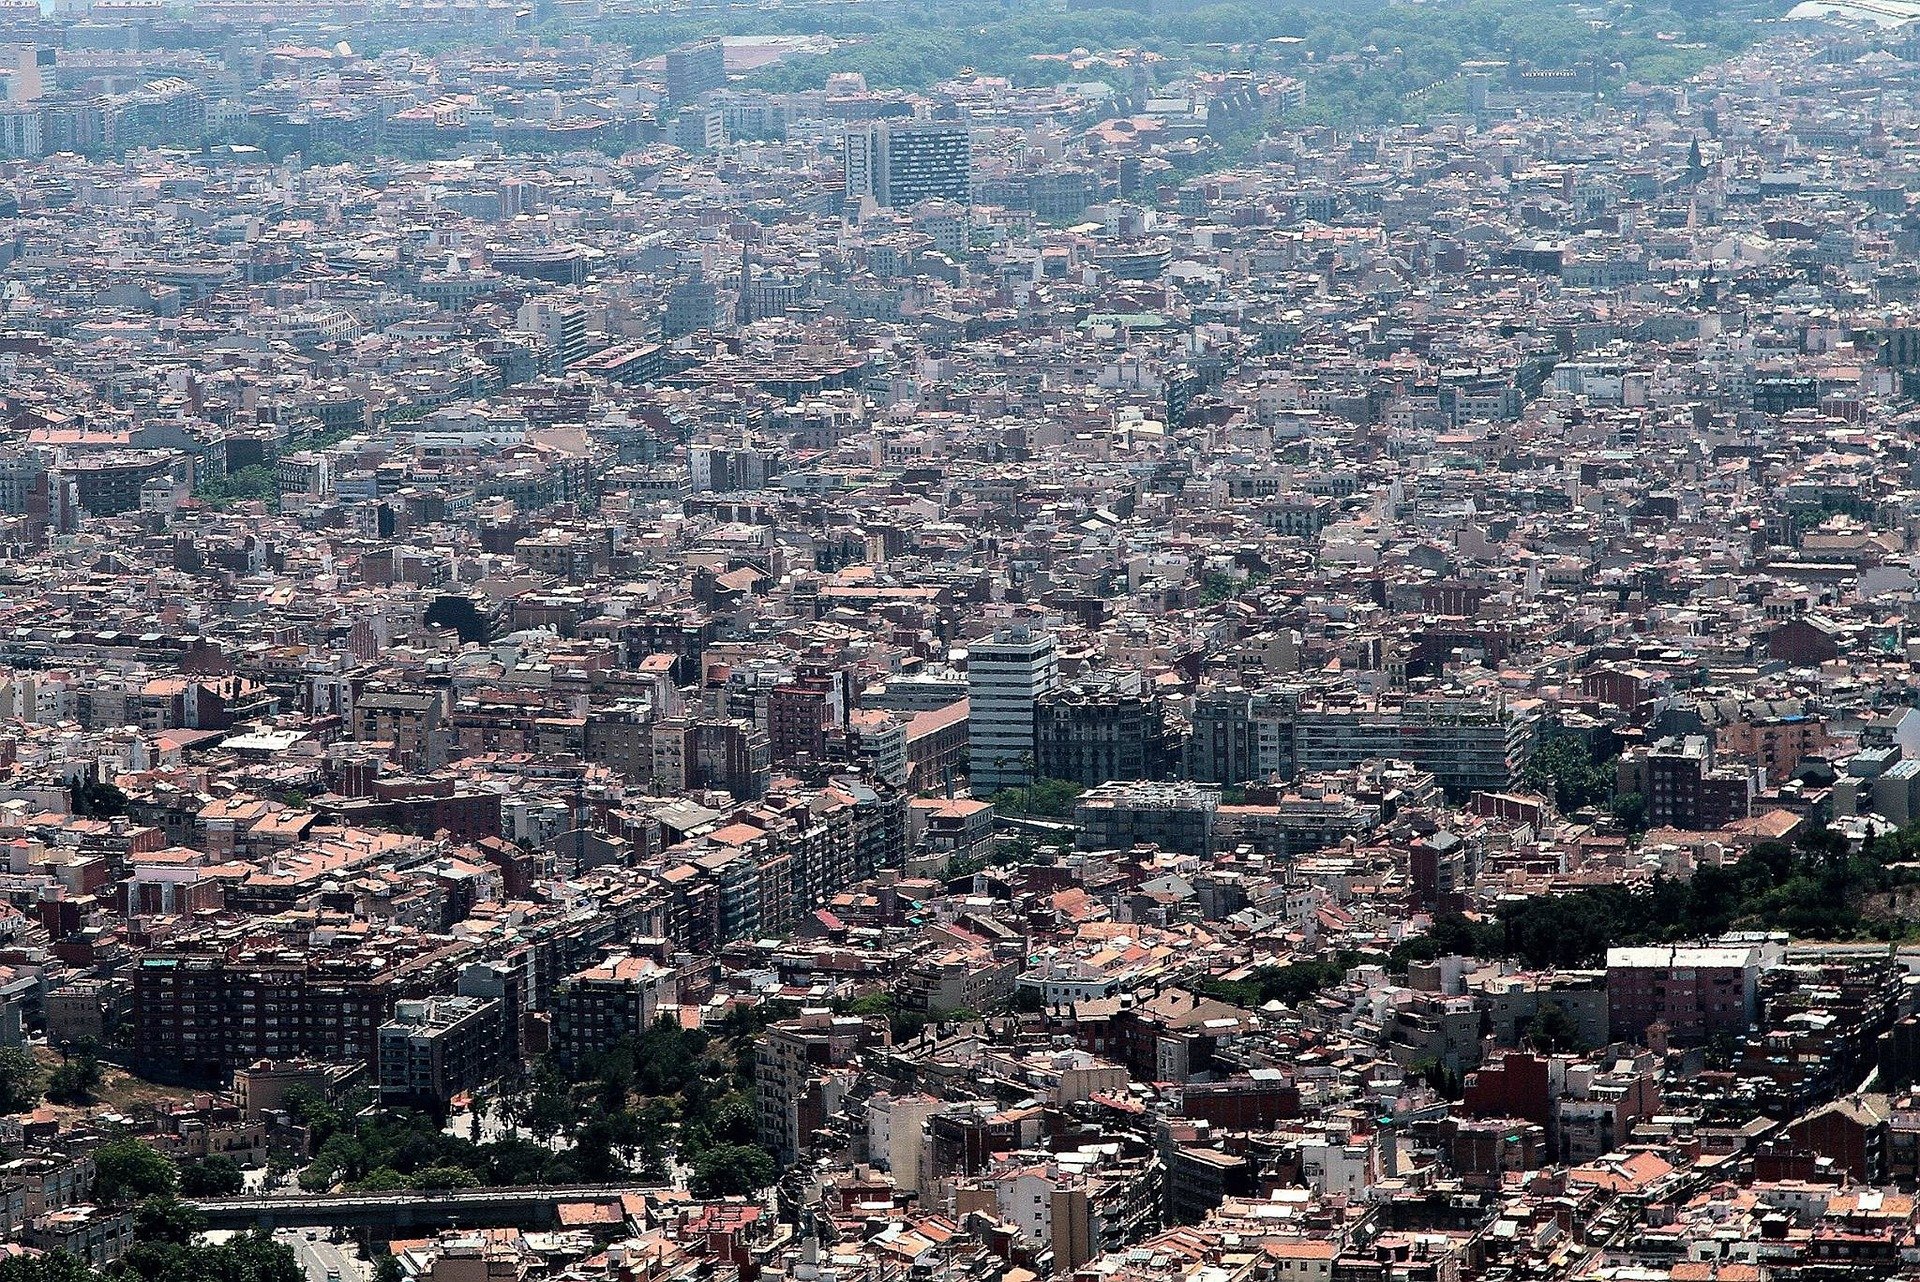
(1697, 993)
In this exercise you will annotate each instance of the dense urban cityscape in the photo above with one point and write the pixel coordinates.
(868, 641)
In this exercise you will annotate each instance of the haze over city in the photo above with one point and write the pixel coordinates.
(877, 641)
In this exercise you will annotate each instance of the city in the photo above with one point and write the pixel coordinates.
(866, 641)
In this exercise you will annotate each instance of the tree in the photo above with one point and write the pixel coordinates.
(387, 1269)
(19, 1080)
(75, 1081)
(1630, 810)
(125, 1171)
(255, 482)
(513, 1159)
(1446, 1082)
(1817, 890)
(256, 1257)
(550, 1111)
(93, 799)
(251, 1257)
(612, 1076)
(736, 1121)
(1452, 934)
(1563, 767)
(593, 1158)
(1044, 798)
(728, 1170)
(1217, 586)
(167, 1219)
(54, 1266)
(1289, 985)
(1553, 1029)
(743, 1023)
(214, 1176)
(965, 866)
(315, 1112)
(444, 1177)
(667, 1058)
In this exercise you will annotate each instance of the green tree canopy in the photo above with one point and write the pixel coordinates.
(256, 481)
(126, 1171)
(19, 1080)
(75, 1081)
(1565, 769)
(727, 1170)
(215, 1176)
(167, 1219)
(54, 1266)
(251, 1257)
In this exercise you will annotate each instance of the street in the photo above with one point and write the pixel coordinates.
(320, 1257)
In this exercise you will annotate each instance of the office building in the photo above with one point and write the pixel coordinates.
(564, 328)
(694, 69)
(694, 753)
(1005, 678)
(21, 137)
(1686, 787)
(898, 163)
(697, 129)
(1468, 742)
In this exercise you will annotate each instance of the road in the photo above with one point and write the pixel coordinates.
(320, 1258)
(413, 1209)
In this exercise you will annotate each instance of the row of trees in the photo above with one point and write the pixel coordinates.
(693, 1091)
(389, 1149)
(1566, 768)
